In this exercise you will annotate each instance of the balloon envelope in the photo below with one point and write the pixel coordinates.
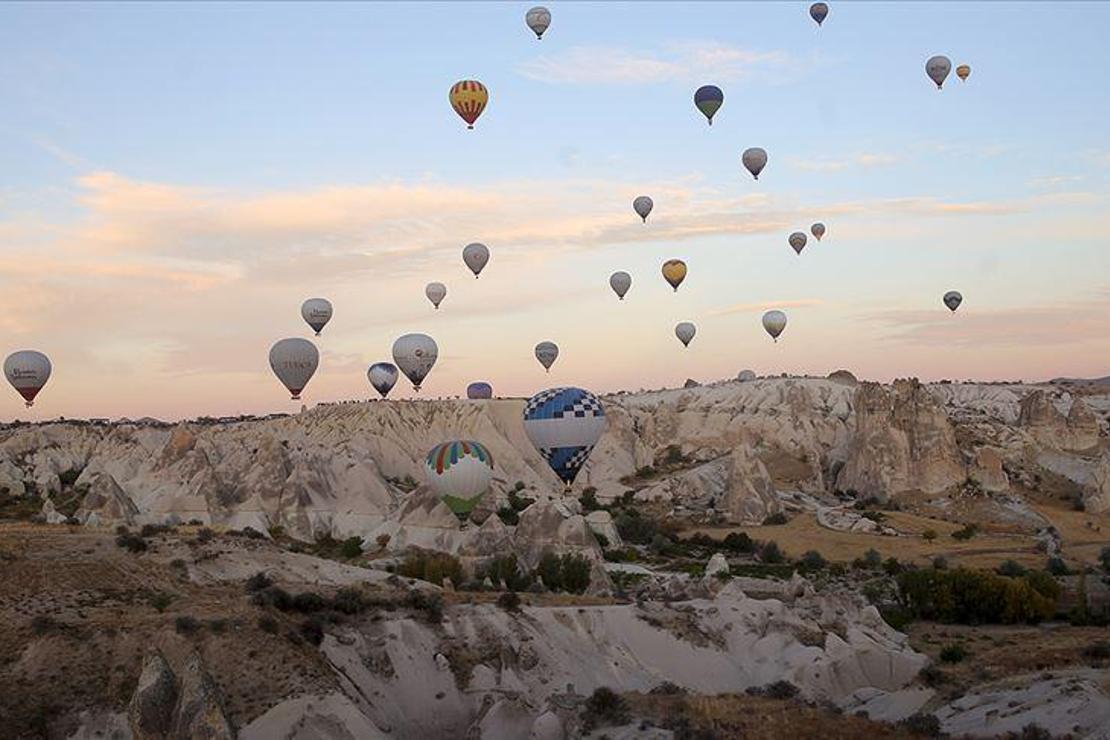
(674, 272)
(476, 255)
(953, 299)
(383, 376)
(797, 242)
(963, 72)
(316, 312)
(754, 159)
(773, 323)
(937, 68)
(547, 353)
(27, 370)
(818, 12)
(436, 292)
(459, 472)
(708, 99)
(818, 230)
(538, 19)
(414, 355)
(564, 424)
(294, 362)
(642, 206)
(685, 331)
(479, 390)
(620, 282)
(469, 98)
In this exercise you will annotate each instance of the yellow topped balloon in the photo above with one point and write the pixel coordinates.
(963, 72)
(469, 98)
(674, 272)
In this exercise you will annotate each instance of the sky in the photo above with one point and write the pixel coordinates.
(176, 178)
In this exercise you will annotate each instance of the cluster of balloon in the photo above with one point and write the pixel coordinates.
(674, 272)
(685, 331)
(476, 255)
(436, 292)
(27, 370)
(818, 12)
(538, 19)
(382, 376)
(459, 472)
(620, 281)
(317, 313)
(564, 424)
(754, 159)
(469, 99)
(414, 355)
(773, 323)
(547, 353)
(797, 242)
(642, 205)
(953, 299)
(294, 362)
(708, 99)
(479, 390)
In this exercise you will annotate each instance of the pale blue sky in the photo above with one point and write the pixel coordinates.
(205, 167)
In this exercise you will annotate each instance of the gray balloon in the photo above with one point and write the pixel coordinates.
(547, 353)
(294, 362)
(773, 323)
(476, 255)
(818, 230)
(797, 242)
(754, 159)
(620, 282)
(642, 206)
(818, 12)
(938, 68)
(27, 370)
(538, 19)
(685, 332)
(317, 313)
(415, 354)
(383, 376)
(953, 299)
(436, 292)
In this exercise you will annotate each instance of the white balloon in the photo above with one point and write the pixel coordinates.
(547, 353)
(538, 19)
(316, 312)
(436, 292)
(383, 376)
(476, 255)
(774, 322)
(642, 206)
(27, 370)
(620, 282)
(685, 331)
(938, 68)
(754, 159)
(294, 362)
(415, 354)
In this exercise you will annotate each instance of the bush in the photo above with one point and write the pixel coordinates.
(1104, 558)
(872, 558)
(606, 705)
(348, 600)
(969, 531)
(570, 573)
(43, 623)
(777, 690)
(160, 600)
(812, 560)
(273, 596)
(940, 562)
(131, 542)
(769, 552)
(351, 547)
(634, 527)
(258, 581)
(932, 676)
(205, 535)
(1057, 567)
(506, 570)
(151, 530)
(922, 724)
(929, 535)
(1097, 651)
(186, 625)
(69, 477)
(952, 653)
(588, 499)
(266, 623)
(978, 597)
(739, 542)
(775, 519)
(897, 617)
(432, 567)
(312, 630)
(892, 567)
(509, 601)
(308, 602)
(1030, 732)
(1011, 568)
(218, 625)
(430, 604)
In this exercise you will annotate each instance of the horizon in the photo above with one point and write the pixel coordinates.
(178, 179)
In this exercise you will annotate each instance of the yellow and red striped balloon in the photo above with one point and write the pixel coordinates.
(469, 98)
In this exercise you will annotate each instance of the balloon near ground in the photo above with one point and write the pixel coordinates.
(818, 12)
(538, 19)
(415, 355)
(797, 242)
(436, 292)
(773, 323)
(937, 68)
(564, 424)
(382, 376)
(469, 99)
(547, 353)
(708, 99)
(685, 332)
(317, 313)
(754, 160)
(674, 272)
(475, 256)
(27, 370)
(459, 472)
(953, 299)
(642, 205)
(818, 230)
(620, 282)
(294, 362)
(479, 391)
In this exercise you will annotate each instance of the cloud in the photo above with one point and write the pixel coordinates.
(1052, 181)
(683, 61)
(766, 306)
(830, 164)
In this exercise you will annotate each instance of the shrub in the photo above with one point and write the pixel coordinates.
(509, 601)
(1011, 568)
(929, 535)
(1057, 567)
(312, 630)
(505, 569)
(940, 562)
(952, 653)
(131, 542)
(739, 542)
(266, 623)
(186, 625)
(646, 471)
(432, 567)
(872, 558)
(602, 540)
(151, 530)
(258, 581)
(1030, 732)
(777, 690)
(351, 547)
(634, 527)
(932, 676)
(606, 705)
(978, 597)
(348, 600)
(273, 596)
(770, 553)
(217, 625)
(588, 499)
(69, 477)
(430, 604)
(922, 724)
(969, 531)
(205, 535)
(775, 519)
(43, 623)
(1097, 651)
(508, 517)
(891, 566)
(308, 602)
(673, 455)
(576, 573)
(160, 600)
(897, 617)
(1104, 558)
(813, 560)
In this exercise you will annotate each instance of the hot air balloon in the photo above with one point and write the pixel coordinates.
(674, 272)
(294, 361)
(642, 206)
(415, 354)
(937, 68)
(436, 292)
(685, 331)
(27, 370)
(479, 390)
(818, 230)
(383, 376)
(708, 99)
(818, 12)
(459, 472)
(316, 313)
(963, 72)
(469, 98)
(754, 159)
(547, 353)
(953, 299)
(476, 255)
(564, 424)
(774, 322)
(620, 282)
(797, 241)
(538, 19)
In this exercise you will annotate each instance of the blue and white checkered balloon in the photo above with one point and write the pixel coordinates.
(564, 424)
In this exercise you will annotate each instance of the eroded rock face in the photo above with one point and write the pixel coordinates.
(106, 504)
(151, 711)
(1040, 417)
(545, 526)
(1097, 498)
(988, 472)
(200, 712)
(750, 497)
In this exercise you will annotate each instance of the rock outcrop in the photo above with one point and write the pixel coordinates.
(106, 504)
(150, 713)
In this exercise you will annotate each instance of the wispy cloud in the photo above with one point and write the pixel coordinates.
(835, 164)
(1053, 181)
(766, 306)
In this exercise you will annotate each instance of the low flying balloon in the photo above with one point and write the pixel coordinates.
(436, 292)
(469, 98)
(685, 332)
(818, 230)
(674, 272)
(316, 313)
(294, 362)
(818, 12)
(773, 323)
(797, 242)
(459, 472)
(538, 19)
(383, 376)
(476, 255)
(27, 371)
(547, 353)
(938, 68)
(963, 72)
(754, 159)
(415, 354)
(953, 299)
(479, 390)
(642, 206)
(708, 99)
(564, 424)
(620, 282)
